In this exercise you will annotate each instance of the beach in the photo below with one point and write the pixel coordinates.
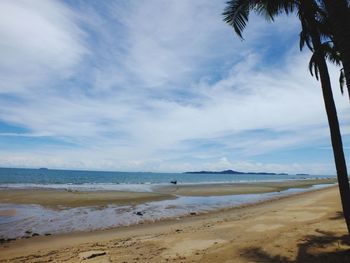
(145, 132)
(303, 227)
(56, 198)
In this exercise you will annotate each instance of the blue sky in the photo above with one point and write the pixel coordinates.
(153, 85)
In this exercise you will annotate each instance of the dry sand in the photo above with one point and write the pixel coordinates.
(307, 227)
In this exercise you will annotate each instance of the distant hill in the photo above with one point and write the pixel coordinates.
(232, 172)
(215, 172)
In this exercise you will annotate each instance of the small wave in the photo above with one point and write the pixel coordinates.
(84, 187)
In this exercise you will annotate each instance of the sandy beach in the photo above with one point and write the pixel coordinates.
(306, 227)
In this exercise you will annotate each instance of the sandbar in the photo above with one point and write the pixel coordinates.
(63, 199)
(238, 188)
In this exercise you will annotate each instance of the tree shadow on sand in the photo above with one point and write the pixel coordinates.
(325, 247)
(339, 215)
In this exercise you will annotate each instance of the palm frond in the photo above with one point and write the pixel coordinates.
(313, 66)
(236, 15)
(331, 53)
(236, 12)
(270, 9)
(304, 39)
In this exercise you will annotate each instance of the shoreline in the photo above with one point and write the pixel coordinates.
(27, 213)
(307, 209)
(66, 198)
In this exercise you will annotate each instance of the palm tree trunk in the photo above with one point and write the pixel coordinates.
(333, 122)
(339, 18)
(337, 144)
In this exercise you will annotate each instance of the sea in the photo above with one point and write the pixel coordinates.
(125, 181)
(33, 219)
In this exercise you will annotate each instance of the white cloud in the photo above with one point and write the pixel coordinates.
(39, 40)
(155, 88)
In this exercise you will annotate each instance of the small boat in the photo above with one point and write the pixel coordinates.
(173, 182)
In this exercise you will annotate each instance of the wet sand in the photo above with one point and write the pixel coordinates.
(306, 227)
(62, 199)
(238, 188)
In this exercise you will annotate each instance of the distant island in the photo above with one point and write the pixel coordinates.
(233, 172)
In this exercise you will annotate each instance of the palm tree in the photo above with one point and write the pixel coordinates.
(338, 14)
(236, 14)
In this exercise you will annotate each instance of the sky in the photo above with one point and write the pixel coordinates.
(162, 86)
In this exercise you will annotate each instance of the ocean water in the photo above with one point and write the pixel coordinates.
(133, 181)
